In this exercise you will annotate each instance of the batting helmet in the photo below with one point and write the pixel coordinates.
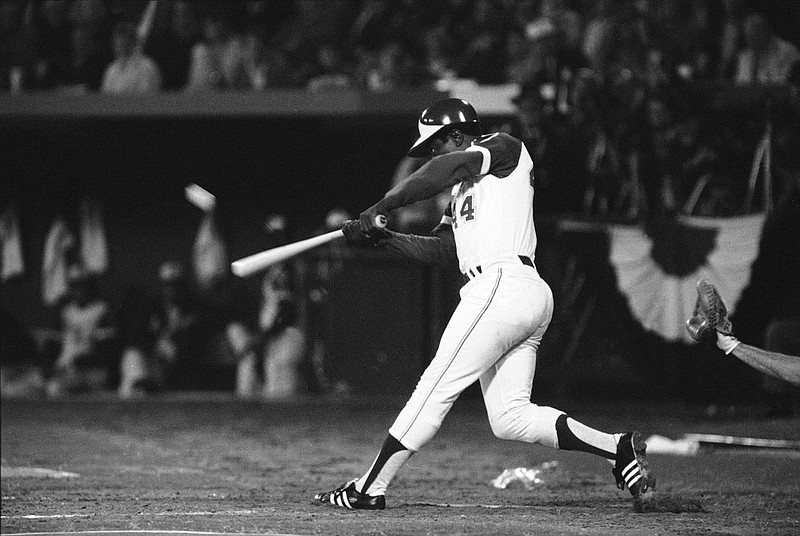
(442, 117)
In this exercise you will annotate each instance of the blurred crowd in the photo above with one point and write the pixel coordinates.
(174, 45)
(609, 106)
(200, 328)
(611, 99)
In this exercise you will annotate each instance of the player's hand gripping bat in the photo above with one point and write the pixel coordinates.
(260, 261)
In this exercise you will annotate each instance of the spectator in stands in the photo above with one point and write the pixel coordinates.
(766, 58)
(519, 66)
(677, 33)
(598, 33)
(389, 68)
(278, 68)
(256, 57)
(90, 46)
(482, 57)
(131, 71)
(568, 21)
(730, 38)
(593, 128)
(172, 47)
(675, 155)
(18, 44)
(628, 95)
(88, 353)
(333, 71)
(437, 60)
(322, 22)
(218, 59)
(53, 58)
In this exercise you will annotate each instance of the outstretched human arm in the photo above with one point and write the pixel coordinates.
(785, 367)
(438, 248)
(439, 173)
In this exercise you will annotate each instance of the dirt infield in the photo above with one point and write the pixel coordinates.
(213, 464)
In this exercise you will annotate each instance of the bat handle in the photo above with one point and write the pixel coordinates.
(380, 220)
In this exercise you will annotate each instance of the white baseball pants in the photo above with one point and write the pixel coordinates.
(493, 336)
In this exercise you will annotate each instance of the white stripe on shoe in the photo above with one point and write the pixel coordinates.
(628, 468)
(632, 473)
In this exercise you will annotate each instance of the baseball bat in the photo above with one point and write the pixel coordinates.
(259, 261)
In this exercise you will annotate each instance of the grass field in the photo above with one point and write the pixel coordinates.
(208, 463)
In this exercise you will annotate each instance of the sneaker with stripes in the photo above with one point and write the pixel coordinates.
(631, 468)
(346, 496)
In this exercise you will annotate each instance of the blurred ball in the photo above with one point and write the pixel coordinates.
(170, 272)
(336, 218)
(275, 223)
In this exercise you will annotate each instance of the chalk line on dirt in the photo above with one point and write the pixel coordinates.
(150, 532)
(200, 513)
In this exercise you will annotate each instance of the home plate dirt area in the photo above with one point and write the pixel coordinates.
(205, 463)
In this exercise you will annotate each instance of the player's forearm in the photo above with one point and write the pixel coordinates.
(782, 366)
(436, 175)
(439, 248)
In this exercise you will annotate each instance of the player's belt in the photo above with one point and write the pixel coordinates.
(474, 271)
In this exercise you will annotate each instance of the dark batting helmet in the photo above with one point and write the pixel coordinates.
(443, 117)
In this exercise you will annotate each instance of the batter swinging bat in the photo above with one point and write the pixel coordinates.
(259, 261)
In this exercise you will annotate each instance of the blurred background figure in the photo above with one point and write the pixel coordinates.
(171, 45)
(88, 353)
(766, 58)
(21, 374)
(282, 336)
(269, 363)
(131, 71)
(332, 71)
(229, 306)
(219, 60)
(320, 271)
(90, 50)
(18, 44)
(163, 337)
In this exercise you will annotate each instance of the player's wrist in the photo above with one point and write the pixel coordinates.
(727, 343)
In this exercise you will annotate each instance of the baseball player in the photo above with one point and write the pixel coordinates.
(504, 310)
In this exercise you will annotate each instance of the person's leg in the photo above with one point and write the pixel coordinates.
(491, 318)
(283, 356)
(507, 391)
(466, 349)
(133, 370)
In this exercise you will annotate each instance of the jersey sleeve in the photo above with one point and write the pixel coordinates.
(500, 152)
(438, 248)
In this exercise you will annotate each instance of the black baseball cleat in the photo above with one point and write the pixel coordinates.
(631, 468)
(346, 496)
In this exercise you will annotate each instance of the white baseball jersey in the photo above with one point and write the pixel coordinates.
(492, 213)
